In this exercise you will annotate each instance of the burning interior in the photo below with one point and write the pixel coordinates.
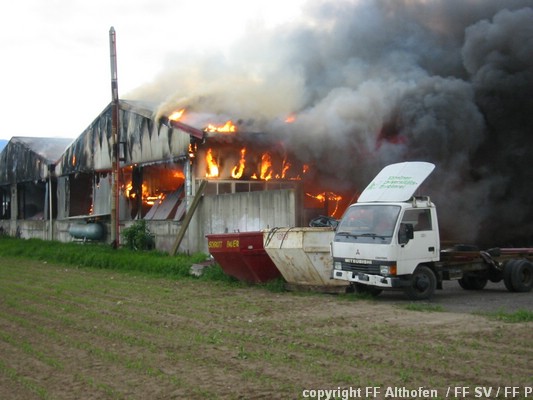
(154, 191)
(236, 162)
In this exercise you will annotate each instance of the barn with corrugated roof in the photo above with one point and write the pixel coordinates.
(250, 182)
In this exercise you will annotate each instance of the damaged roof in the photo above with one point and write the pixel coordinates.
(143, 138)
(27, 158)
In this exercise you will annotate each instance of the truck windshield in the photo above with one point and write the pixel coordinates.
(368, 223)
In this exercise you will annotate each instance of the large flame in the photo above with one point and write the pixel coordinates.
(212, 165)
(176, 115)
(228, 127)
(266, 167)
(238, 170)
(269, 166)
(285, 168)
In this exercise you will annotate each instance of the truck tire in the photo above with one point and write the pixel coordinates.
(522, 276)
(507, 272)
(422, 284)
(470, 282)
(367, 289)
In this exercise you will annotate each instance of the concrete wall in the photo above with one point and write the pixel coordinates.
(25, 229)
(243, 212)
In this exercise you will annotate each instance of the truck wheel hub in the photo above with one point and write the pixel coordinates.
(422, 283)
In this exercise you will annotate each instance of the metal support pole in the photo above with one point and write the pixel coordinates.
(50, 209)
(115, 140)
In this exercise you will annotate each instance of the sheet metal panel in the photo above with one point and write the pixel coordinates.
(250, 211)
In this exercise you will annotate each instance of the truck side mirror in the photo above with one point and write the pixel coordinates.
(406, 233)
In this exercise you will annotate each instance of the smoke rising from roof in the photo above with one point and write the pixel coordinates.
(375, 82)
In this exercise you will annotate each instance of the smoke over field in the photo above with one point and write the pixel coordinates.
(374, 82)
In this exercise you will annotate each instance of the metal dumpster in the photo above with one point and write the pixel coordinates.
(302, 255)
(242, 256)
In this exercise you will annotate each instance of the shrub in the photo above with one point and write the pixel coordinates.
(138, 236)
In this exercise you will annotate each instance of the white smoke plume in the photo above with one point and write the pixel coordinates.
(380, 81)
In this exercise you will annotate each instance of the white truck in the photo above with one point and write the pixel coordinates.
(390, 239)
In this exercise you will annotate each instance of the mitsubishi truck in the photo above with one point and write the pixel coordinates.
(389, 239)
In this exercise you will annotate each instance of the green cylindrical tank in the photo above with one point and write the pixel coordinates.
(89, 231)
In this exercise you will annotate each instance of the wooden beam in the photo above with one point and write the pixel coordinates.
(188, 217)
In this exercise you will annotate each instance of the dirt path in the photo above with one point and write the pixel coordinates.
(92, 334)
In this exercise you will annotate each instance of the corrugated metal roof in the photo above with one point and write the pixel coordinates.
(27, 158)
(48, 148)
(145, 139)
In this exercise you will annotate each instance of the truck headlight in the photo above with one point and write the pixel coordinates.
(387, 270)
(384, 270)
(337, 265)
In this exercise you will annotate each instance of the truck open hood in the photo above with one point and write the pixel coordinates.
(397, 182)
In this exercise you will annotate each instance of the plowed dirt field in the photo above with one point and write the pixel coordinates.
(68, 333)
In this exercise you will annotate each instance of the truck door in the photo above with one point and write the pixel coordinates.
(424, 245)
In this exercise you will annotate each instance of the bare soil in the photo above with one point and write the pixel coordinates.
(68, 333)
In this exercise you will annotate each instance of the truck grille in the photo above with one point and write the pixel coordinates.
(364, 268)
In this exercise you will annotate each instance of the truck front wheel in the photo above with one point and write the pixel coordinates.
(422, 284)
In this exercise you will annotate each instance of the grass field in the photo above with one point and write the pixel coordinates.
(71, 331)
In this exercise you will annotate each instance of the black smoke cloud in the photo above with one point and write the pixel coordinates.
(375, 82)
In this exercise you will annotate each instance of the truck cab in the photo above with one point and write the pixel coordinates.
(389, 238)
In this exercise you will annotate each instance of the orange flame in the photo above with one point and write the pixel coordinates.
(228, 127)
(128, 189)
(266, 167)
(192, 151)
(212, 165)
(290, 119)
(238, 170)
(330, 196)
(150, 200)
(176, 115)
(285, 168)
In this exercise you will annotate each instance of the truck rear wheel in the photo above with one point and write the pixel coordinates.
(422, 285)
(522, 276)
(507, 272)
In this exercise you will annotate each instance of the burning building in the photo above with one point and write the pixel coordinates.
(253, 182)
(377, 82)
(364, 84)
